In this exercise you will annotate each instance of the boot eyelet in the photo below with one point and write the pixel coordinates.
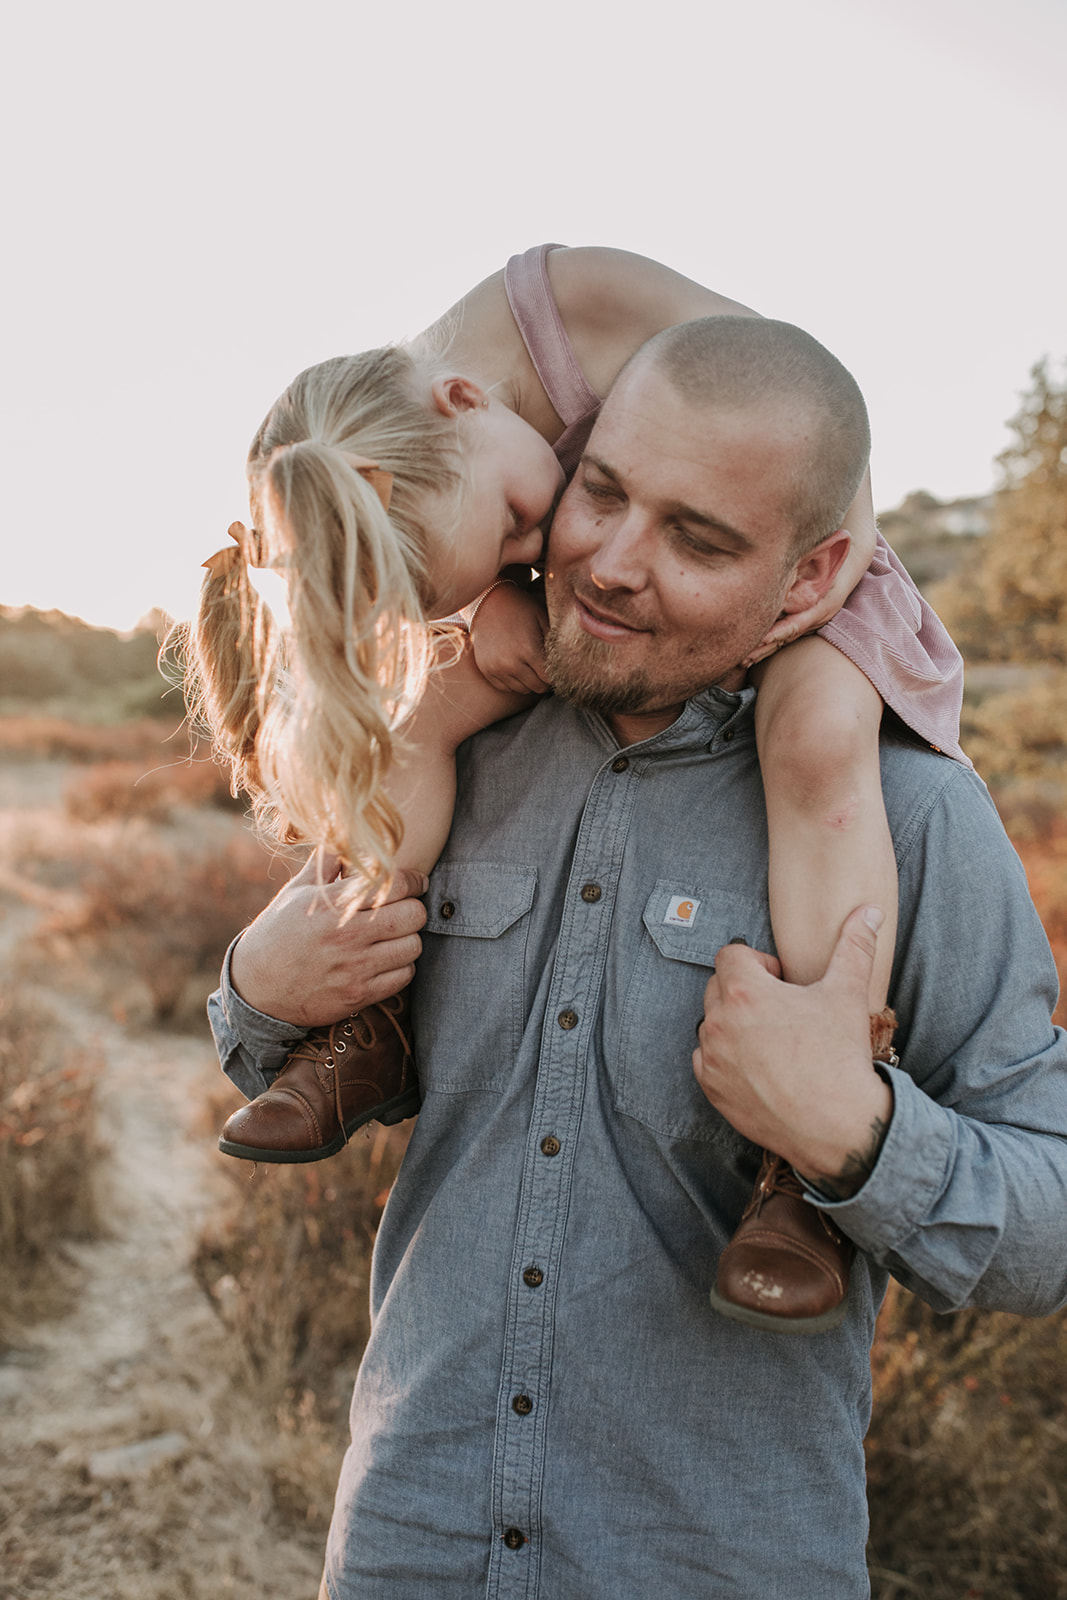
(340, 1047)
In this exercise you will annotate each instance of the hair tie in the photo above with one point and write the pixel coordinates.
(380, 480)
(244, 548)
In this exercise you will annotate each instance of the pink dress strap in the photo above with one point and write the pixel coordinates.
(537, 316)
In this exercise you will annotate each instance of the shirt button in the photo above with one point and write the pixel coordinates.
(567, 1020)
(728, 735)
(448, 909)
(522, 1405)
(591, 893)
(533, 1277)
(550, 1145)
(514, 1538)
(620, 764)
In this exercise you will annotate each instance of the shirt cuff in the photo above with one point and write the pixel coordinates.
(252, 1047)
(908, 1177)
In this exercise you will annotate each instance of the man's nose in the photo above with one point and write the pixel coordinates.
(620, 562)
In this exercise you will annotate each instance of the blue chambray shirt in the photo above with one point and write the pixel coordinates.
(548, 1407)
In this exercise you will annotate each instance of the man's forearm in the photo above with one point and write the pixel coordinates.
(858, 1162)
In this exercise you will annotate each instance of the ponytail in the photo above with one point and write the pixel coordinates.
(307, 716)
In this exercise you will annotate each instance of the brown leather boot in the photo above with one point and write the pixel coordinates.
(787, 1266)
(339, 1077)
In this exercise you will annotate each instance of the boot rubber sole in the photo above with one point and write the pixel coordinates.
(769, 1323)
(392, 1111)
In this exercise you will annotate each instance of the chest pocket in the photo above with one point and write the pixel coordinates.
(470, 992)
(684, 929)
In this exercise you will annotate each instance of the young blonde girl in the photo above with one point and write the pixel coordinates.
(396, 486)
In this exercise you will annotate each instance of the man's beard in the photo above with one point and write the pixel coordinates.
(580, 674)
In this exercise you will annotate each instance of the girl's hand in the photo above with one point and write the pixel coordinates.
(798, 623)
(507, 632)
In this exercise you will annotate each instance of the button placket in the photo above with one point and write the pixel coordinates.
(559, 1090)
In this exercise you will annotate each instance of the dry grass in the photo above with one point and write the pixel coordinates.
(967, 1455)
(62, 738)
(50, 1158)
(289, 1271)
(159, 904)
(110, 789)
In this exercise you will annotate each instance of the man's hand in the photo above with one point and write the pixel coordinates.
(790, 1066)
(319, 951)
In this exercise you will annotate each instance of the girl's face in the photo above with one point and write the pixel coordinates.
(514, 481)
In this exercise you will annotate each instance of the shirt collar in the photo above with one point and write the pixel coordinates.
(701, 719)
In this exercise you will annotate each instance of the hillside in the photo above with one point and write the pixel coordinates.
(51, 661)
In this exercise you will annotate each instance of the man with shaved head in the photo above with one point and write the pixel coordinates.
(548, 1406)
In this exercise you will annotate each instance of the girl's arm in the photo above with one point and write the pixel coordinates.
(458, 702)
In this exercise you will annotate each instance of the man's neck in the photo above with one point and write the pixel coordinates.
(642, 725)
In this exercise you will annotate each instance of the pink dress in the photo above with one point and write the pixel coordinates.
(885, 626)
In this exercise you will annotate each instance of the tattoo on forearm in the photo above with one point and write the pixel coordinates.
(857, 1166)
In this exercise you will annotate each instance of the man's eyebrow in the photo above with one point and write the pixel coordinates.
(679, 508)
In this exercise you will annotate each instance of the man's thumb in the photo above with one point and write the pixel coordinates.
(853, 955)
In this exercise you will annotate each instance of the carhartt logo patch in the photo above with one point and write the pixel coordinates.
(681, 911)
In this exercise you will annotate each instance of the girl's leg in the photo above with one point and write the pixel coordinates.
(817, 722)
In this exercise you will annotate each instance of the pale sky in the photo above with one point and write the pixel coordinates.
(203, 199)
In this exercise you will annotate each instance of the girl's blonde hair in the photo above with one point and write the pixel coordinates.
(306, 716)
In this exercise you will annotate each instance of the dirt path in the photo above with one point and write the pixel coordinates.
(132, 1465)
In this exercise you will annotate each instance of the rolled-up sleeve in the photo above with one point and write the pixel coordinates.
(967, 1204)
(252, 1047)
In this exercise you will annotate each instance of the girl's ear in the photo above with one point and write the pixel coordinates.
(452, 395)
(816, 571)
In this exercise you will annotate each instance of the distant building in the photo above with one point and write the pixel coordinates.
(932, 536)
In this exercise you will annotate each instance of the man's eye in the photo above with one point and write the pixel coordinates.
(697, 543)
(599, 491)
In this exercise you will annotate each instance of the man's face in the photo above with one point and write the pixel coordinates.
(671, 551)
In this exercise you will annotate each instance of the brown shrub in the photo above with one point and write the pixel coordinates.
(1020, 735)
(289, 1271)
(49, 1156)
(126, 789)
(1044, 856)
(167, 904)
(56, 738)
(967, 1454)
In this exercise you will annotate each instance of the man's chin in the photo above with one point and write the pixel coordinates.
(582, 672)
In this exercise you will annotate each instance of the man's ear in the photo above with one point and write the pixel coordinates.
(816, 571)
(452, 395)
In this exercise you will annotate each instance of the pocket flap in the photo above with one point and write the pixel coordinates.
(478, 899)
(686, 925)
